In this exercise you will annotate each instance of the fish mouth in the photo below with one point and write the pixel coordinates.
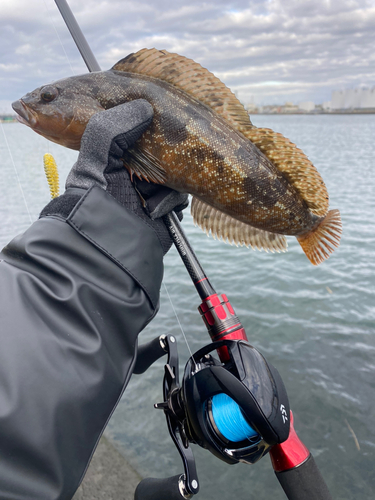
(24, 114)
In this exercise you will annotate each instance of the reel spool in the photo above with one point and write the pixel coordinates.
(237, 409)
(228, 421)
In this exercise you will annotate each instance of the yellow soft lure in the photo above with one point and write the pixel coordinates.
(52, 174)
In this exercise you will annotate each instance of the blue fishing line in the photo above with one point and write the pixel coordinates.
(229, 419)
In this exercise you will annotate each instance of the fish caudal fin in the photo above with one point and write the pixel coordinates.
(226, 228)
(322, 241)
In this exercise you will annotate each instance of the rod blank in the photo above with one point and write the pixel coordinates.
(78, 36)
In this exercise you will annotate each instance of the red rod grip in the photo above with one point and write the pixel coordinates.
(290, 453)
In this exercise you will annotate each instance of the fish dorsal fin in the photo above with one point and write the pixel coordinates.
(295, 166)
(226, 228)
(191, 77)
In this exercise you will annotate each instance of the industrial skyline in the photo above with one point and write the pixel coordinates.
(343, 100)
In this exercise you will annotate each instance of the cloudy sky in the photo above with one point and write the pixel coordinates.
(267, 51)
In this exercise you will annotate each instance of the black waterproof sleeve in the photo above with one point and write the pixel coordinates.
(74, 295)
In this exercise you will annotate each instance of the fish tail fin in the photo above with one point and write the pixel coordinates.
(322, 241)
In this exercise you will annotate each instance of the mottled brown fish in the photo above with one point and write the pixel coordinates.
(250, 186)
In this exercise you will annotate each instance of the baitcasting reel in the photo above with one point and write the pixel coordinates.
(237, 410)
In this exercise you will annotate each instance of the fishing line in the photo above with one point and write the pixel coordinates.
(178, 321)
(66, 55)
(15, 169)
(57, 34)
(229, 419)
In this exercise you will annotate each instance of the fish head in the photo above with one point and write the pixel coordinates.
(58, 111)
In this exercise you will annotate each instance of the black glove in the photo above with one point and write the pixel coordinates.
(108, 134)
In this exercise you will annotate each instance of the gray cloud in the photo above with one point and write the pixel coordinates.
(270, 50)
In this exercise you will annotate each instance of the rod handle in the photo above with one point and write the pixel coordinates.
(149, 353)
(304, 482)
(171, 488)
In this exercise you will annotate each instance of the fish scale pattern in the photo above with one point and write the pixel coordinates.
(201, 141)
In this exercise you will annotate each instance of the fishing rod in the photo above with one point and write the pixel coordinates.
(217, 399)
(294, 466)
(77, 35)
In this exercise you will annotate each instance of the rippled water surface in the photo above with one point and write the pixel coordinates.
(315, 324)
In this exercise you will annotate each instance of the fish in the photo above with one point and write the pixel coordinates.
(250, 186)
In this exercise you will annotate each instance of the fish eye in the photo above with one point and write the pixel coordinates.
(49, 93)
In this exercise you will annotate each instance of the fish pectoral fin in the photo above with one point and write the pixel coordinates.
(144, 165)
(232, 231)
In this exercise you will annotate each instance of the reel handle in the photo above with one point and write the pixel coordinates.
(149, 353)
(172, 488)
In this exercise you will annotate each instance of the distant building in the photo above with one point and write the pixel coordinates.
(353, 99)
(251, 107)
(290, 108)
(368, 98)
(306, 106)
(338, 99)
(7, 118)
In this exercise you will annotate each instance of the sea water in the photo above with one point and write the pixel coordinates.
(315, 324)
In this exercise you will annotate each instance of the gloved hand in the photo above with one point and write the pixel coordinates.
(108, 134)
